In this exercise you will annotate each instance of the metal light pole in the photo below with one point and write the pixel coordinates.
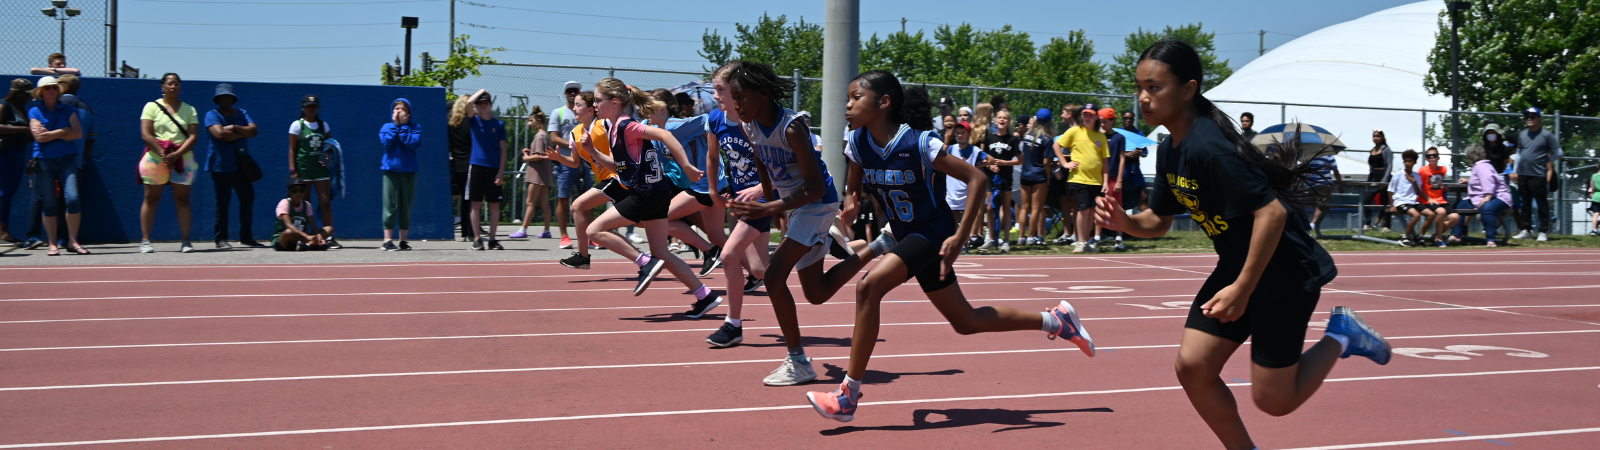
(841, 60)
(409, 23)
(1455, 76)
(111, 57)
(66, 13)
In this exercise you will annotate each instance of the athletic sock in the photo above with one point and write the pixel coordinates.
(1344, 342)
(879, 247)
(1051, 323)
(644, 258)
(702, 292)
(854, 384)
(733, 321)
(1119, 238)
(798, 354)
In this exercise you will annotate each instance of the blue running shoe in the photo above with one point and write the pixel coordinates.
(1364, 341)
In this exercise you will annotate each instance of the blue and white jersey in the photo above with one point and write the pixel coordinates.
(905, 180)
(772, 146)
(738, 171)
(691, 135)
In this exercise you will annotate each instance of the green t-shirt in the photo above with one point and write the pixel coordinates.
(1594, 183)
(301, 217)
(165, 129)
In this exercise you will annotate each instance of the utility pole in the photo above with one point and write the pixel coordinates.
(409, 23)
(1262, 46)
(111, 58)
(452, 29)
(841, 60)
(902, 25)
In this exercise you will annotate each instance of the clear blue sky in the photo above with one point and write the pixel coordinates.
(345, 41)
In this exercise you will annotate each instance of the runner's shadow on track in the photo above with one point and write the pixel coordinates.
(668, 318)
(808, 341)
(836, 374)
(956, 418)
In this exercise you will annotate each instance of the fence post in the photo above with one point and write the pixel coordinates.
(611, 72)
(1283, 113)
(796, 105)
(1562, 210)
(974, 99)
(1424, 133)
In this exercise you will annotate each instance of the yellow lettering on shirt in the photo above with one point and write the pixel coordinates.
(1183, 189)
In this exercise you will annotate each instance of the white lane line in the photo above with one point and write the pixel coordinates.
(1454, 439)
(732, 410)
(676, 364)
(597, 333)
(674, 307)
(965, 283)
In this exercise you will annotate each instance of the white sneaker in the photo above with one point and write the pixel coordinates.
(1077, 247)
(1063, 239)
(1005, 246)
(791, 373)
(1523, 235)
(838, 238)
(987, 245)
(635, 238)
(186, 247)
(145, 247)
(675, 248)
(1543, 237)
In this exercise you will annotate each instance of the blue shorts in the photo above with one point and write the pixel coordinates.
(568, 177)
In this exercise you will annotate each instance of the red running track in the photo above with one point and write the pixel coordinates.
(1497, 348)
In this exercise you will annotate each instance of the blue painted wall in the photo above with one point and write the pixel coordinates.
(112, 196)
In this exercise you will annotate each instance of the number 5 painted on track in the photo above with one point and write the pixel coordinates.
(1454, 352)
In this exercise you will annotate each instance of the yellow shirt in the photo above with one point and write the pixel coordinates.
(1089, 149)
(602, 144)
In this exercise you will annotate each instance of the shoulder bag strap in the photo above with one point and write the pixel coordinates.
(174, 120)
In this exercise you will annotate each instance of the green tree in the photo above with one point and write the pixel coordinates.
(908, 56)
(1521, 53)
(771, 41)
(463, 63)
(1216, 69)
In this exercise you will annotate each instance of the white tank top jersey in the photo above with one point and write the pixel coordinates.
(772, 147)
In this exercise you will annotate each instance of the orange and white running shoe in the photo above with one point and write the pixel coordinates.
(836, 405)
(1071, 328)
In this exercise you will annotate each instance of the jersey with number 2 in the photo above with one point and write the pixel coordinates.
(771, 145)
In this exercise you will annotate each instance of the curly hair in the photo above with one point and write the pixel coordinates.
(760, 78)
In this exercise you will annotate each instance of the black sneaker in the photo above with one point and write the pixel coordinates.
(712, 260)
(334, 244)
(576, 261)
(495, 245)
(405, 246)
(224, 245)
(647, 274)
(703, 306)
(751, 283)
(727, 336)
(478, 244)
(389, 246)
(252, 243)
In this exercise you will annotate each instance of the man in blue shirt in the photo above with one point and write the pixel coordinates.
(230, 129)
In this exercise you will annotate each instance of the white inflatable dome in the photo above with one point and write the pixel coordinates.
(1378, 60)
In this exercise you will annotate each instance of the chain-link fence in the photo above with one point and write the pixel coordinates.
(29, 36)
(1416, 129)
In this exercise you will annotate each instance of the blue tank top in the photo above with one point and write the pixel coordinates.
(738, 169)
(1034, 150)
(772, 146)
(902, 176)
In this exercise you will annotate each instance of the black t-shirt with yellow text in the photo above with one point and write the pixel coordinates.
(1206, 177)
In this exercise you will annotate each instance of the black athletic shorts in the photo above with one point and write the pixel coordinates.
(1083, 195)
(458, 183)
(613, 190)
(763, 224)
(923, 262)
(1594, 206)
(1058, 187)
(480, 184)
(1275, 320)
(1433, 207)
(638, 209)
(1405, 208)
(705, 199)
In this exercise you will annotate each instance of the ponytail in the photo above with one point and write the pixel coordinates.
(906, 106)
(1286, 176)
(629, 95)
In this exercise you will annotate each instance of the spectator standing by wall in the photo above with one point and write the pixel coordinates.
(230, 128)
(1036, 151)
(1594, 204)
(569, 180)
(1087, 162)
(1378, 162)
(57, 67)
(1324, 181)
(1539, 149)
(54, 126)
(1247, 122)
(487, 172)
(1486, 191)
(540, 174)
(16, 139)
(306, 138)
(167, 126)
(400, 138)
(69, 96)
(460, 157)
(1115, 165)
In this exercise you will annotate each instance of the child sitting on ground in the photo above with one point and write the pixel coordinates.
(294, 218)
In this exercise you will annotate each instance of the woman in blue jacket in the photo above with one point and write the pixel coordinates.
(400, 139)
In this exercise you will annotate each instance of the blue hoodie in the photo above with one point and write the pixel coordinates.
(400, 144)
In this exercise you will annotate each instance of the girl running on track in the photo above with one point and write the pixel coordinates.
(1270, 271)
(693, 204)
(905, 175)
(606, 187)
(641, 172)
(791, 168)
(731, 171)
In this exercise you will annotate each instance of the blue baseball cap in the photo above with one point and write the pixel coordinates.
(1044, 114)
(1532, 112)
